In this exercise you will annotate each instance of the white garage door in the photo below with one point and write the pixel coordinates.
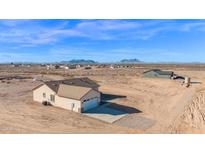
(90, 104)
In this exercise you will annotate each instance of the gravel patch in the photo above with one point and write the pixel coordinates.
(135, 121)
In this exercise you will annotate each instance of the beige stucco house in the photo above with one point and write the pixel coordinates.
(78, 94)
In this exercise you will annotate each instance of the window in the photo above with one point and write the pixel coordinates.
(44, 95)
(86, 100)
(52, 98)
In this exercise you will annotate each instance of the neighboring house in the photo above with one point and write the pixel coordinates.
(72, 66)
(15, 65)
(57, 66)
(48, 67)
(78, 94)
(111, 66)
(88, 67)
(157, 73)
(79, 66)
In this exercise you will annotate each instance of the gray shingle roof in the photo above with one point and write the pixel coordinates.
(73, 92)
(82, 82)
(160, 72)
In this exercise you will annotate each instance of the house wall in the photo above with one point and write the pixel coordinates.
(66, 103)
(164, 76)
(38, 93)
(153, 74)
(150, 74)
(92, 94)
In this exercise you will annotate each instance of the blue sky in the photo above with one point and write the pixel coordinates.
(102, 40)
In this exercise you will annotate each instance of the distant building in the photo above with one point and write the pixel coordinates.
(111, 66)
(88, 67)
(15, 65)
(72, 66)
(48, 67)
(42, 65)
(78, 94)
(101, 66)
(79, 66)
(56, 66)
(116, 66)
(66, 67)
(157, 73)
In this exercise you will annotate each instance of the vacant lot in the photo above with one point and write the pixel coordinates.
(153, 105)
(19, 114)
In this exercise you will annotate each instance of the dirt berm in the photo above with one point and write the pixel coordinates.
(192, 120)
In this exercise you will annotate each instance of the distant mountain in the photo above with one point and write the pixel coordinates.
(130, 61)
(79, 61)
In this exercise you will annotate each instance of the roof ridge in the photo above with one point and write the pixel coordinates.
(80, 82)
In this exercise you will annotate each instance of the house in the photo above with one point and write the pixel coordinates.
(111, 66)
(15, 65)
(88, 67)
(78, 94)
(157, 73)
(79, 66)
(72, 66)
(57, 66)
(48, 67)
(66, 67)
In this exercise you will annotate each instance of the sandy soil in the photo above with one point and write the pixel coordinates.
(19, 114)
(155, 105)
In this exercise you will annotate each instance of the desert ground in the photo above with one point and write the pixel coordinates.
(152, 105)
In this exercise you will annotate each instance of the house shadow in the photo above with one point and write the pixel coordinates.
(113, 109)
(179, 78)
(195, 82)
(124, 108)
(108, 97)
(110, 108)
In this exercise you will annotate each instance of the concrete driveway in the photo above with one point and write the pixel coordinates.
(105, 113)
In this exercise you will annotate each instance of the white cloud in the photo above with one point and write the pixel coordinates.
(195, 25)
(108, 25)
(34, 32)
(13, 22)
